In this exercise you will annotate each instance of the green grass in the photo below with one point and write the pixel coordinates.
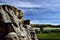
(48, 36)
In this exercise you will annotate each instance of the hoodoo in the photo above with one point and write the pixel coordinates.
(13, 26)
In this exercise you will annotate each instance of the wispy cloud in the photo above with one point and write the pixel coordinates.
(30, 3)
(35, 22)
(19, 3)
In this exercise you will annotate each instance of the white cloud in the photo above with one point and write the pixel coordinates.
(19, 3)
(52, 22)
(35, 22)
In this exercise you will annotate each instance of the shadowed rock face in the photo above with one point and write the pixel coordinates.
(11, 24)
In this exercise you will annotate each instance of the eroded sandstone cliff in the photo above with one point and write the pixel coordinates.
(12, 25)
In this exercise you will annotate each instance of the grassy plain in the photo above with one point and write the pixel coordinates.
(48, 36)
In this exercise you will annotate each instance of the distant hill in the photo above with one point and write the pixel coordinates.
(44, 25)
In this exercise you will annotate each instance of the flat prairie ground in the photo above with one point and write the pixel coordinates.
(50, 35)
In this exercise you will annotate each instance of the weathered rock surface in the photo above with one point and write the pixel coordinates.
(11, 24)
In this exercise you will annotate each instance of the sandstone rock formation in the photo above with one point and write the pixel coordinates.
(12, 25)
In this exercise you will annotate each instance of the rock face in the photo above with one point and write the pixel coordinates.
(12, 25)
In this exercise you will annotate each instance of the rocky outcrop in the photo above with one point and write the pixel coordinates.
(12, 25)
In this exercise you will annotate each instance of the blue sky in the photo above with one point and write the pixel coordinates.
(38, 11)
